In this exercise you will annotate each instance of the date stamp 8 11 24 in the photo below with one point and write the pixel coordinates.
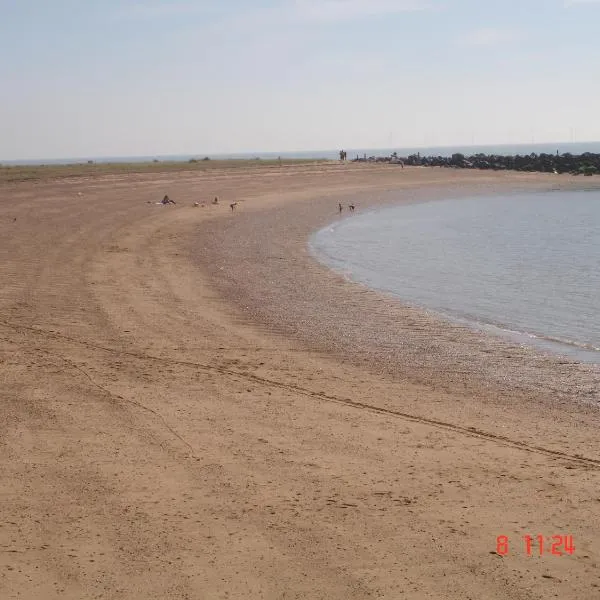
(539, 545)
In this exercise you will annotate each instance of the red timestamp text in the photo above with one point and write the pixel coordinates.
(538, 545)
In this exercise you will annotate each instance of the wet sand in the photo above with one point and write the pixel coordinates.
(194, 407)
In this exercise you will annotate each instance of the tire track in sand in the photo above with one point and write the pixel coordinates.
(574, 459)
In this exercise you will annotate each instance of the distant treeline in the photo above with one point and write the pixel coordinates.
(581, 164)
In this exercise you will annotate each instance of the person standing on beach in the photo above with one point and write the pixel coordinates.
(341, 208)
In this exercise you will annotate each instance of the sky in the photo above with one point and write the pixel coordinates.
(92, 78)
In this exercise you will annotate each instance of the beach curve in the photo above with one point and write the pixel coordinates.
(223, 424)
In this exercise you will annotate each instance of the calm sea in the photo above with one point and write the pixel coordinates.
(523, 265)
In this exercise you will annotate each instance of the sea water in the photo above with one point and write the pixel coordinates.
(527, 265)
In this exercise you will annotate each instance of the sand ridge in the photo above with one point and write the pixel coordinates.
(161, 437)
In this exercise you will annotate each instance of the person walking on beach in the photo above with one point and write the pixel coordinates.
(351, 207)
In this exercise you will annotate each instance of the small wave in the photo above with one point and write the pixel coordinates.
(540, 338)
(502, 329)
(557, 340)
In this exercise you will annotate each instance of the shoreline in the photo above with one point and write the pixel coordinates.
(429, 348)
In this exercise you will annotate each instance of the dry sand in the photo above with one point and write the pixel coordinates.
(193, 407)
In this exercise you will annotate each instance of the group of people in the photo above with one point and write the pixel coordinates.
(232, 205)
(167, 200)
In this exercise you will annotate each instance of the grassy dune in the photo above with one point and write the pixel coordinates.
(50, 172)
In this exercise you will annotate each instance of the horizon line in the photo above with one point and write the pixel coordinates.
(258, 154)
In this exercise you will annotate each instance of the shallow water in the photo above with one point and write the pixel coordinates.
(524, 265)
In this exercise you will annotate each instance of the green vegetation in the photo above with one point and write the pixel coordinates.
(53, 172)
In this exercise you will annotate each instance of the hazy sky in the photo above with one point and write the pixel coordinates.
(123, 77)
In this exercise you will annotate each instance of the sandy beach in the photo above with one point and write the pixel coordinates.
(194, 407)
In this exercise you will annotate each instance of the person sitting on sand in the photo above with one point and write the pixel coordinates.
(167, 200)
(216, 200)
